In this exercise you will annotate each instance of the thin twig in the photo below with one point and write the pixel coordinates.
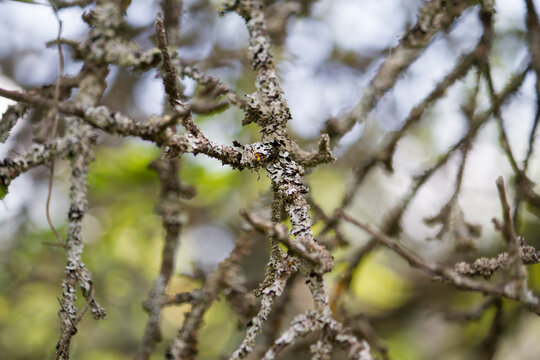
(55, 125)
(530, 301)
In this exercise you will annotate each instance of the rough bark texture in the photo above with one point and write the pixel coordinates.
(329, 328)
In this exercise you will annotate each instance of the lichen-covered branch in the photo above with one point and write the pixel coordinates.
(486, 267)
(312, 252)
(270, 111)
(156, 129)
(304, 231)
(508, 290)
(76, 273)
(268, 296)
(91, 88)
(311, 321)
(38, 154)
(9, 119)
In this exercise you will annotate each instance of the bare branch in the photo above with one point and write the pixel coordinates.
(169, 209)
(185, 343)
(529, 300)
(434, 16)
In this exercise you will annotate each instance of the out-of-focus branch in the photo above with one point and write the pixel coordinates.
(462, 67)
(486, 267)
(524, 185)
(529, 300)
(314, 158)
(113, 49)
(488, 347)
(474, 313)
(434, 16)
(182, 298)
(385, 154)
(277, 281)
(54, 116)
(390, 224)
(185, 343)
(172, 20)
(533, 37)
(169, 209)
(66, 4)
(361, 327)
(505, 143)
(451, 217)
(206, 80)
(66, 108)
(475, 124)
(513, 241)
(10, 118)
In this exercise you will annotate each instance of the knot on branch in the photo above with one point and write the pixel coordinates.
(76, 211)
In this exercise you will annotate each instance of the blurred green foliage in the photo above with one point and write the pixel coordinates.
(123, 240)
(377, 286)
(3, 191)
(123, 243)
